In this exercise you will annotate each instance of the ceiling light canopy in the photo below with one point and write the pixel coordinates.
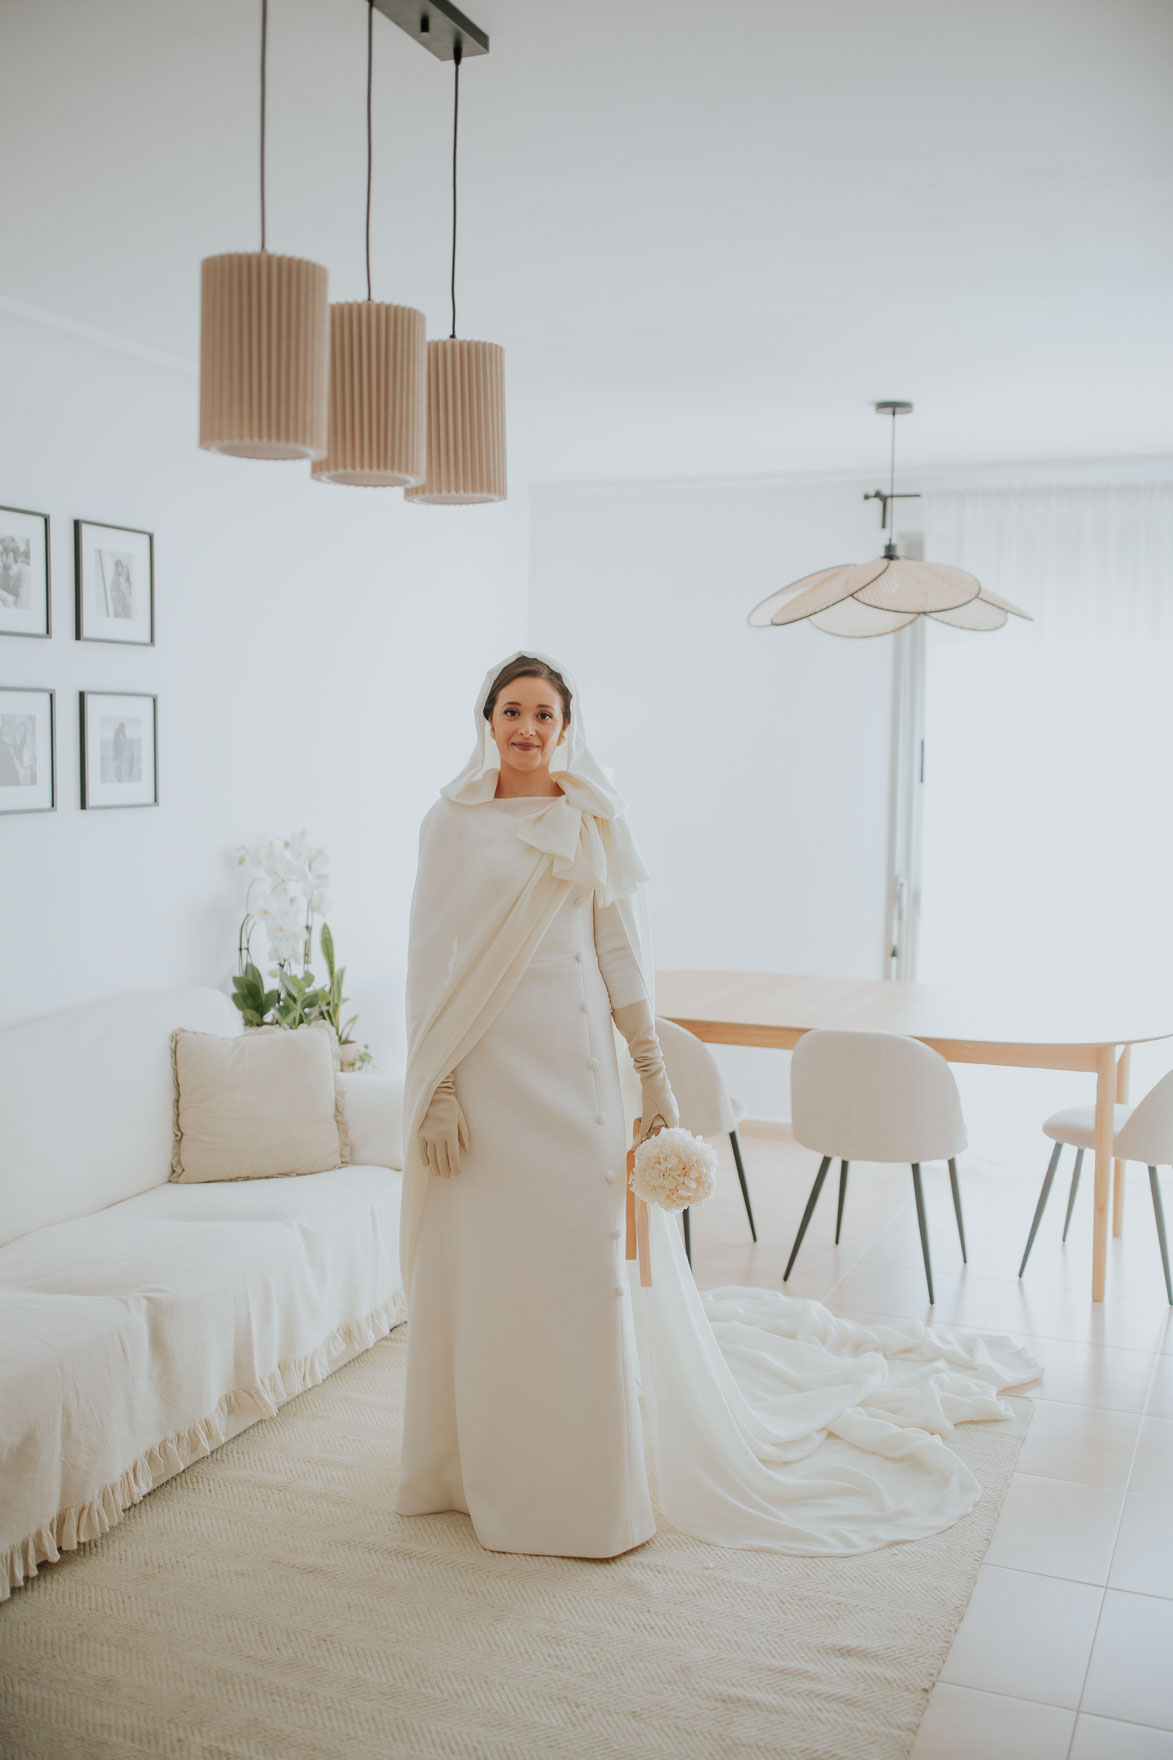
(438, 26)
(877, 598)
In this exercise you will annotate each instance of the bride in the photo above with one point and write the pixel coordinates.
(542, 1379)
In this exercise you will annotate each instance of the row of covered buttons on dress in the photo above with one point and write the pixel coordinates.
(592, 1064)
(616, 1233)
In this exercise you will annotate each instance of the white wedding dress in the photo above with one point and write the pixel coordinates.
(522, 1390)
(539, 1369)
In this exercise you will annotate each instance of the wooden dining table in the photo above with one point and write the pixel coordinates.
(1082, 1030)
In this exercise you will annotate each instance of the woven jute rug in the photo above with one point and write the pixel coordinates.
(268, 1604)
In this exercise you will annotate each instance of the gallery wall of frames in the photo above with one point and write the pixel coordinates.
(117, 732)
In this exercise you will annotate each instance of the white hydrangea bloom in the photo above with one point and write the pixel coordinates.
(674, 1169)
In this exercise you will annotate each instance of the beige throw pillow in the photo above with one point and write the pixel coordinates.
(265, 1103)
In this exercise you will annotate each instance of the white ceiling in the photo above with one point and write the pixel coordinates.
(709, 234)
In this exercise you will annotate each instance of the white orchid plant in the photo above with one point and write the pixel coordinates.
(289, 887)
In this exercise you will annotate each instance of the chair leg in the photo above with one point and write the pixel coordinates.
(1074, 1188)
(687, 1235)
(843, 1166)
(1159, 1213)
(924, 1230)
(807, 1214)
(744, 1185)
(957, 1209)
(1048, 1181)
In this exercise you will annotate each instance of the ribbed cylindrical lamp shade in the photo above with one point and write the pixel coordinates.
(264, 356)
(378, 396)
(466, 425)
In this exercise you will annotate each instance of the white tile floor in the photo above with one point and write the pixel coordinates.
(1066, 1651)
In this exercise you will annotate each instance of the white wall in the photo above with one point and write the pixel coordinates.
(1047, 849)
(755, 761)
(317, 653)
(316, 650)
(317, 646)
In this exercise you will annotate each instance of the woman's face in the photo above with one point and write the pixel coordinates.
(528, 724)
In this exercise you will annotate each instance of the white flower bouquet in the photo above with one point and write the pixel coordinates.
(674, 1169)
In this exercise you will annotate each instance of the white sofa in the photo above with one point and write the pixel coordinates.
(143, 1323)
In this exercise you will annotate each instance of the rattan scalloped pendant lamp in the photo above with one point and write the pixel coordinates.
(466, 399)
(877, 598)
(263, 345)
(378, 376)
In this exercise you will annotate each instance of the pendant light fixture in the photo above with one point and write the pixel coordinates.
(263, 344)
(378, 375)
(466, 396)
(876, 598)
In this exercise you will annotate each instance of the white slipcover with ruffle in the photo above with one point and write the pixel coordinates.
(141, 1322)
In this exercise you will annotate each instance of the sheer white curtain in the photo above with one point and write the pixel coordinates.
(1048, 805)
(1091, 561)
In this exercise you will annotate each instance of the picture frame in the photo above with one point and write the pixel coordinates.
(26, 607)
(119, 749)
(28, 750)
(114, 583)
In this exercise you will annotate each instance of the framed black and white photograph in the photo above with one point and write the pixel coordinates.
(24, 573)
(115, 583)
(119, 749)
(27, 757)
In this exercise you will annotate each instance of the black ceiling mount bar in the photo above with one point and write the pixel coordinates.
(437, 25)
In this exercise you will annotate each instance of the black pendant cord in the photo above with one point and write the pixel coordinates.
(264, 56)
(370, 70)
(455, 135)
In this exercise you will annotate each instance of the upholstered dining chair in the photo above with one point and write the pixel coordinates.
(1143, 1133)
(875, 1097)
(706, 1108)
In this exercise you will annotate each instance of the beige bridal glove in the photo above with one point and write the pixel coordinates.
(444, 1133)
(658, 1106)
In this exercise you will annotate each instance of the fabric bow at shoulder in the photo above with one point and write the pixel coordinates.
(585, 850)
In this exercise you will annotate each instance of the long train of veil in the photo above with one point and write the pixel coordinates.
(771, 1423)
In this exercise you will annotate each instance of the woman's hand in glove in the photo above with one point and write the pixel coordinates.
(658, 1103)
(658, 1110)
(444, 1133)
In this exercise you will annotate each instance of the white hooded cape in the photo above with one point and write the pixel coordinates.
(770, 1423)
